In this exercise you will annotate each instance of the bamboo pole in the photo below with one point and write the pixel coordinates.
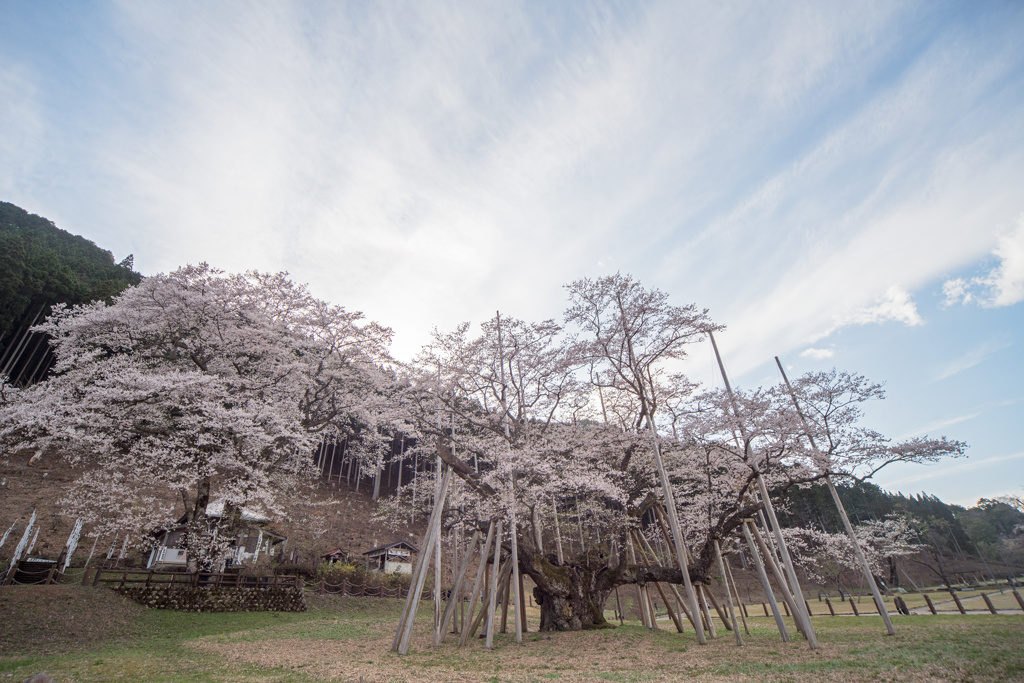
(764, 583)
(861, 559)
(480, 573)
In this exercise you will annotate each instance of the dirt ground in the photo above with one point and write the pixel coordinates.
(849, 652)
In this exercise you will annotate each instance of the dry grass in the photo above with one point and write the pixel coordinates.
(343, 639)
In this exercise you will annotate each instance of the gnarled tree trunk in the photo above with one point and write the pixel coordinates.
(571, 595)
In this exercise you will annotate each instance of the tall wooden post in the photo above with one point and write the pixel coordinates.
(493, 595)
(404, 634)
(456, 596)
(799, 614)
(739, 600)
(728, 593)
(517, 579)
(558, 534)
(764, 582)
(861, 559)
(481, 572)
(780, 579)
(677, 533)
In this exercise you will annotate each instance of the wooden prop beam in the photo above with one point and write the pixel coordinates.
(858, 552)
(404, 634)
(456, 595)
(517, 579)
(739, 601)
(764, 583)
(799, 613)
(780, 578)
(728, 593)
(710, 625)
(678, 543)
(492, 597)
(480, 573)
(645, 547)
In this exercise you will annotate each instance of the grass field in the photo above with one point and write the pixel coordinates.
(85, 634)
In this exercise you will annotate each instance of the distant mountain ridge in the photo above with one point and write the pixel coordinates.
(42, 265)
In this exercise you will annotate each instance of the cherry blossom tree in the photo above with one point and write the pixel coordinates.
(560, 433)
(196, 381)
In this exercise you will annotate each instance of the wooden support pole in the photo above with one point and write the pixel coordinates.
(777, 572)
(678, 543)
(517, 579)
(798, 595)
(764, 583)
(659, 514)
(506, 588)
(857, 551)
(718, 608)
(727, 577)
(856, 613)
(701, 591)
(683, 607)
(493, 593)
(988, 602)
(645, 547)
(480, 573)
(456, 594)
(404, 634)
(558, 534)
(959, 605)
(1020, 600)
(831, 609)
(522, 604)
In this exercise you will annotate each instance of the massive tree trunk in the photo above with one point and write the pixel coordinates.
(571, 595)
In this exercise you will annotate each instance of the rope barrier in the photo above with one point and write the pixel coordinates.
(355, 589)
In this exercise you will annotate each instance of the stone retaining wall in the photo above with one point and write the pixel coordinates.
(218, 599)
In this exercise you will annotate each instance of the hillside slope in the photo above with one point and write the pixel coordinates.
(41, 265)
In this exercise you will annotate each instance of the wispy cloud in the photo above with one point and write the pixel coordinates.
(949, 469)
(970, 359)
(429, 163)
(933, 427)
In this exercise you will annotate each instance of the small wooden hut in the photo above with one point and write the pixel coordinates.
(391, 558)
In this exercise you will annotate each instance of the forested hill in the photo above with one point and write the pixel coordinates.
(992, 524)
(41, 265)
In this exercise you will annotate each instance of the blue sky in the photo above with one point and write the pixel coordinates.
(841, 184)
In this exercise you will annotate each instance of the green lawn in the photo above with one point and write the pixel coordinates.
(84, 634)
